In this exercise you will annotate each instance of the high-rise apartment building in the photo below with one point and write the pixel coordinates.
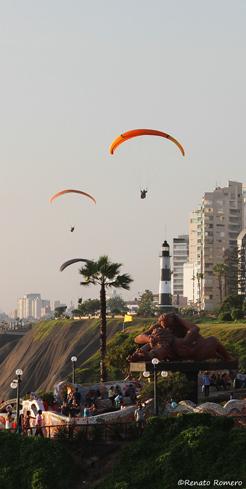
(29, 306)
(45, 308)
(180, 256)
(56, 304)
(192, 268)
(195, 238)
(244, 205)
(213, 231)
(21, 308)
(191, 284)
(241, 250)
(222, 221)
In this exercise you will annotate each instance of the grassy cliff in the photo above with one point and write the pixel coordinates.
(44, 353)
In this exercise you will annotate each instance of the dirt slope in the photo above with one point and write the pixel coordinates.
(44, 353)
(7, 343)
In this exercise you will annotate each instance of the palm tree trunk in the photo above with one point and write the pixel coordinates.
(103, 334)
(199, 293)
(220, 288)
(225, 285)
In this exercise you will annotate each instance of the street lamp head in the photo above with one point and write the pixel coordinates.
(13, 385)
(155, 361)
(164, 373)
(19, 371)
(74, 359)
(146, 374)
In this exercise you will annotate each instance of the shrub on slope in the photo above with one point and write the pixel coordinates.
(34, 463)
(194, 447)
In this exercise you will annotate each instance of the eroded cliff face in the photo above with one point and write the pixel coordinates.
(44, 353)
(7, 344)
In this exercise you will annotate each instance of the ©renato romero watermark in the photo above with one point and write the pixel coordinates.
(213, 483)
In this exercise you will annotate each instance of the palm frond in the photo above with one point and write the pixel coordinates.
(103, 261)
(88, 282)
(90, 273)
(106, 268)
(121, 282)
(112, 270)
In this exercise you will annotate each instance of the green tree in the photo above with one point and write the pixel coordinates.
(241, 270)
(219, 271)
(120, 347)
(231, 275)
(225, 316)
(146, 304)
(90, 306)
(175, 386)
(232, 302)
(77, 312)
(237, 313)
(116, 304)
(199, 278)
(59, 311)
(105, 274)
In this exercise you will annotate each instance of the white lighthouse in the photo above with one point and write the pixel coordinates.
(165, 277)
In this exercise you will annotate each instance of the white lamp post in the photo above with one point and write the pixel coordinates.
(17, 382)
(155, 362)
(74, 360)
(146, 374)
(164, 373)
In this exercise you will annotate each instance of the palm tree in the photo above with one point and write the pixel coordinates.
(105, 274)
(219, 271)
(199, 277)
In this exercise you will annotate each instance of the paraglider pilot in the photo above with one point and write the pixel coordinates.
(143, 193)
(72, 229)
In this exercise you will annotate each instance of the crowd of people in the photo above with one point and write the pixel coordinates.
(222, 381)
(28, 425)
(73, 404)
(114, 397)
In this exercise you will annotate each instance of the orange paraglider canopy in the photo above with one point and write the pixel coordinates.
(71, 262)
(69, 191)
(142, 132)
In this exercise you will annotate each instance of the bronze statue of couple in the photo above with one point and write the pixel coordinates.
(173, 338)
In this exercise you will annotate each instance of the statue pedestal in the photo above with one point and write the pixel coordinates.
(190, 368)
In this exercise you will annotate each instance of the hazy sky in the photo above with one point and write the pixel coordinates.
(74, 75)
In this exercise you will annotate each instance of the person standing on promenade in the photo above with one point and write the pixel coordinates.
(39, 424)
